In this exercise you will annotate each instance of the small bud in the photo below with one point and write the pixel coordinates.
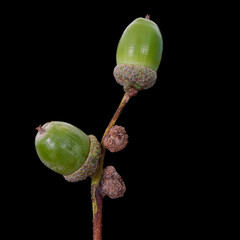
(112, 183)
(115, 139)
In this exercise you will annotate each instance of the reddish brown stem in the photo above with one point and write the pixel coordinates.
(97, 199)
(97, 218)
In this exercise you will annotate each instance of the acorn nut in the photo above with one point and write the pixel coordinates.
(139, 54)
(67, 150)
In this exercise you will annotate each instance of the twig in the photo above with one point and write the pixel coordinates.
(97, 199)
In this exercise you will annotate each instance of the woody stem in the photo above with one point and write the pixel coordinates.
(97, 199)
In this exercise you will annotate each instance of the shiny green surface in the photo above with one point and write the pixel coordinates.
(141, 44)
(62, 147)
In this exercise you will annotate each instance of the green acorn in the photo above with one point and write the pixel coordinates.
(139, 54)
(67, 150)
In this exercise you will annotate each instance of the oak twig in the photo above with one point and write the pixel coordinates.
(97, 198)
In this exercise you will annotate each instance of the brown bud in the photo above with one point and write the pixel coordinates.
(115, 139)
(112, 183)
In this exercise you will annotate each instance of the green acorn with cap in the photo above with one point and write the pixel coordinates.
(139, 54)
(67, 150)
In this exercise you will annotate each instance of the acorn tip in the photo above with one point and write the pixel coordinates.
(40, 129)
(147, 16)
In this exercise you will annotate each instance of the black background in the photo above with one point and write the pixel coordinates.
(59, 66)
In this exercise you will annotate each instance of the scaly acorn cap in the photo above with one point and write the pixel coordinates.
(90, 165)
(112, 184)
(138, 77)
(116, 139)
(139, 54)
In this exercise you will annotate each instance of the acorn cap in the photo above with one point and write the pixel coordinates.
(90, 165)
(138, 77)
(112, 184)
(115, 139)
